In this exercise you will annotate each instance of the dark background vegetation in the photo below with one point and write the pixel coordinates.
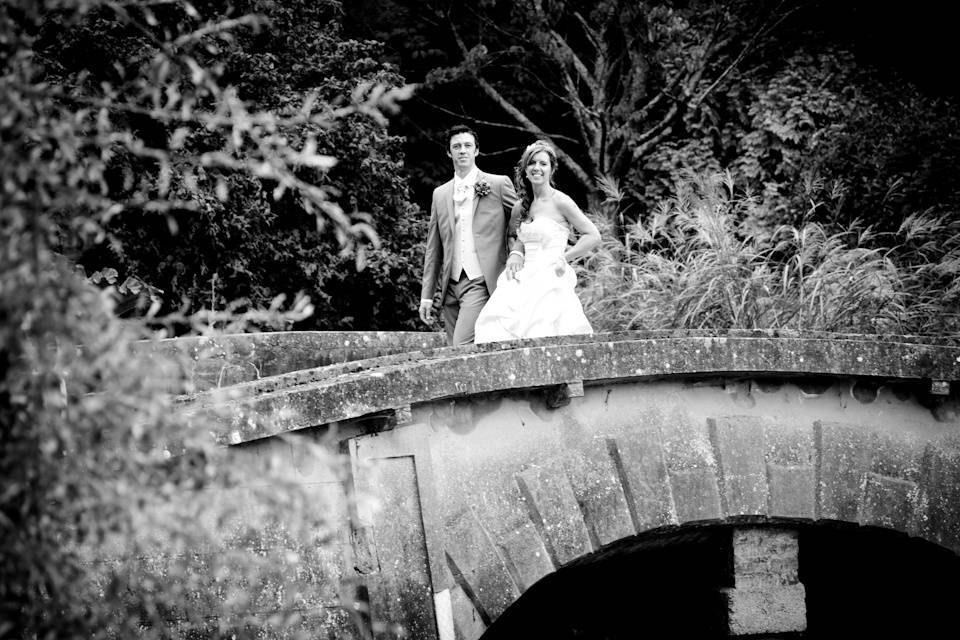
(844, 104)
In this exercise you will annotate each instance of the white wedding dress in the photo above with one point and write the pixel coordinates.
(537, 302)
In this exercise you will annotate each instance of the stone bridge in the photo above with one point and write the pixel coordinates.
(731, 484)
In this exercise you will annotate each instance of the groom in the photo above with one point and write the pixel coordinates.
(467, 243)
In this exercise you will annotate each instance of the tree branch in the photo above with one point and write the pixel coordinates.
(490, 123)
(763, 30)
(582, 176)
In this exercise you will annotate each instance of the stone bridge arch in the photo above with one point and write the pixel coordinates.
(495, 466)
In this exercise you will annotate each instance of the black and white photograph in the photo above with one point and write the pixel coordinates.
(479, 319)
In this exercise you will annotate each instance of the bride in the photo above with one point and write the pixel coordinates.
(538, 299)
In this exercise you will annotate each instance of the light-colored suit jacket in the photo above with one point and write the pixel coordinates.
(493, 233)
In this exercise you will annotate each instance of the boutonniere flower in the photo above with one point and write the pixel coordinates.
(481, 188)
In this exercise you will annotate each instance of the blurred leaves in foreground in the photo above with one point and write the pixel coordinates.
(111, 109)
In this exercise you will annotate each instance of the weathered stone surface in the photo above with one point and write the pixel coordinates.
(645, 478)
(845, 452)
(739, 446)
(760, 611)
(476, 566)
(554, 511)
(890, 492)
(526, 556)
(590, 464)
(401, 592)
(791, 473)
(339, 392)
(887, 502)
(467, 623)
(939, 501)
(224, 360)
(596, 485)
(692, 469)
(767, 597)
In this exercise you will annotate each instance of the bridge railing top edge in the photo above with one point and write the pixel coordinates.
(437, 339)
(823, 353)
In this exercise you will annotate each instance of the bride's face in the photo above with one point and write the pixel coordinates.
(539, 168)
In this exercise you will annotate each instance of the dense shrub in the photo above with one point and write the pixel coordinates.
(696, 264)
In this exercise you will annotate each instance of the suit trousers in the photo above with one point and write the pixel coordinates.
(461, 306)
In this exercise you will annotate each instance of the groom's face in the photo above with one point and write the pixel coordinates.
(463, 151)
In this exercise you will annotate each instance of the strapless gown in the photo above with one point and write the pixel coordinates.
(537, 302)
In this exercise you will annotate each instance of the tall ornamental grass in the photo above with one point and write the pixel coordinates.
(695, 264)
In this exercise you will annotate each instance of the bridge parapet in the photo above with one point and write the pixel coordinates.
(223, 360)
(927, 368)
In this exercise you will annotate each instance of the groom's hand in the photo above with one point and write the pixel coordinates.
(426, 306)
(514, 264)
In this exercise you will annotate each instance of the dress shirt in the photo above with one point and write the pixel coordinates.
(464, 249)
(463, 187)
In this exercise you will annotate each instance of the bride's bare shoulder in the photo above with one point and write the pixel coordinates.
(564, 202)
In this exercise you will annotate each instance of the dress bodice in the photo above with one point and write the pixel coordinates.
(544, 239)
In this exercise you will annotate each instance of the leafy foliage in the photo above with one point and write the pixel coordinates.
(229, 234)
(695, 265)
(113, 512)
(820, 129)
(606, 81)
(643, 92)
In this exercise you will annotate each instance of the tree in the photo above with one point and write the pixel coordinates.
(782, 93)
(607, 81)
(231, 236)
(818, 128)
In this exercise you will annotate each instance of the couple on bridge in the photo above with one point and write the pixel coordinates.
(499, 254)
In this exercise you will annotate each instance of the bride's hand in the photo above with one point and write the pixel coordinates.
(514, 264)
(560, 266)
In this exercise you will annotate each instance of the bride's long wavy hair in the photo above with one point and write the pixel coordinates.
(520, 182)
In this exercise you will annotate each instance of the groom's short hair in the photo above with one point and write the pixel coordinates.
(458, 129)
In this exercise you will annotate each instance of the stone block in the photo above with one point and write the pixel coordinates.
(940, 496)
(645, 478)
(692, 468)
(844, 451)
(467, 622)
(695, 494)
(791, 470)
(777, 609)
(596, 485)
(401, 593)
(792, 491)
(476, 566)
(526, 556)
(888, 502)
(554, 511)
(767, 596)
(765, 555)
(897, 456)
(739, 446)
